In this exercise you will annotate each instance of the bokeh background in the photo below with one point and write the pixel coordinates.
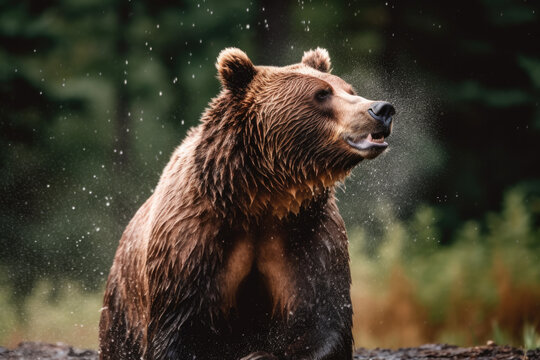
(444, 228)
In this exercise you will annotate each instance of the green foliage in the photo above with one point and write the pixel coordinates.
(499, 335)
(490, 274)
(531, 337)
(52, 313)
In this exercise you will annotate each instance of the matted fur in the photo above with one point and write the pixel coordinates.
(240, 252)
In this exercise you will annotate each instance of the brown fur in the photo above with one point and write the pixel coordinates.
(276, 270)
(241, 251)
(238, 266)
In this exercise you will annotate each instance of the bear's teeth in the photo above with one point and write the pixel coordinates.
(379, 140)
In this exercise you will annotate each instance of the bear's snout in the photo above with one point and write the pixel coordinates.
(382, 111)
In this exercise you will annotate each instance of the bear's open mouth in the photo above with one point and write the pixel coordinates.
(373, 141)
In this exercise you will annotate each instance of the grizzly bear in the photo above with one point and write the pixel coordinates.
(240, 252)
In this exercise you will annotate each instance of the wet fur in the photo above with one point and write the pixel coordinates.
(240, 251)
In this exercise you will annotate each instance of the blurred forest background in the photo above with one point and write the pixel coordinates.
(444, 228)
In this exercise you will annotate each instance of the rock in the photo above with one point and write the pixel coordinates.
(42, 351)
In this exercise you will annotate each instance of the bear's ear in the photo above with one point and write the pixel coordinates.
(235, 70)
(317, 59)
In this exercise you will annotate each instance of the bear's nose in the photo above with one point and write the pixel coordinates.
(382, 111)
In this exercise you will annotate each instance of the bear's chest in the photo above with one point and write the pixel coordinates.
(259, 266)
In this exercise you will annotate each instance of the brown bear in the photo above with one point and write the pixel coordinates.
(240, 252)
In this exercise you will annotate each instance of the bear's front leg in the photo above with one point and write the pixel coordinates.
(259, 355)
(171, 343)
(321, 343)
(183, 292)
(327, 340)
(319, 324)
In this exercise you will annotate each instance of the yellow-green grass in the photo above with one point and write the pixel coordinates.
(53, 313)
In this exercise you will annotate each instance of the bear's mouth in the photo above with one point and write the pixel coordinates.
(371, 141)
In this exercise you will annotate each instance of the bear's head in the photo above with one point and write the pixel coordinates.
(299, 124)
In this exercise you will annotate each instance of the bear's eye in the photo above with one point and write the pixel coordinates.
(322, 95)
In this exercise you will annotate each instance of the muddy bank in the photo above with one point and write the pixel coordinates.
(59, 351)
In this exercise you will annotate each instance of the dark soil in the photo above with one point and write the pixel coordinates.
(59, 351)
(449, 352)
(36, 350)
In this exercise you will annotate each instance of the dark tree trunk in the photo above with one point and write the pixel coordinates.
(273, 30)
(122, 137)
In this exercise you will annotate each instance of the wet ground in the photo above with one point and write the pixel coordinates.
(35, 351)
(448, 352)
